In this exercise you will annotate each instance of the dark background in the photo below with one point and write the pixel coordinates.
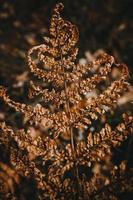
(102, 24)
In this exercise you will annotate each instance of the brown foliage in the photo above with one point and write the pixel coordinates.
(69, 159)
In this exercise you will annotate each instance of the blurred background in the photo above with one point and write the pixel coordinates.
(104, 26)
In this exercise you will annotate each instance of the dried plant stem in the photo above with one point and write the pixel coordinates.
(68, 107)
(72, 141)
(70, 131)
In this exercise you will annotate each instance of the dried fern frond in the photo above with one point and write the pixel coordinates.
(72, 156)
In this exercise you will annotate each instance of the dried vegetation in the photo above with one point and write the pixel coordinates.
(66, 149)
